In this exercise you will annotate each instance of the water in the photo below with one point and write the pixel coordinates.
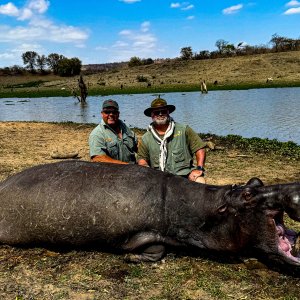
(265, 113)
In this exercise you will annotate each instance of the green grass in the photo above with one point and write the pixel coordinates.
(110, 90)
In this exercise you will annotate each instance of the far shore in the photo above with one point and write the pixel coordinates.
(110, 90)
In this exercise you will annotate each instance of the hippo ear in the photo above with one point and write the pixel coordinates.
(255, 182)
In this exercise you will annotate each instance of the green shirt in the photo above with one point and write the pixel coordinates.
(182, 145)
(104, 140)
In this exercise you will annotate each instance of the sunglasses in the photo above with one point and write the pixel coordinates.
(160, 112)
(108, 112)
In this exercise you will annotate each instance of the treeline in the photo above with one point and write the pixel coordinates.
(227, 49)
(35, 63)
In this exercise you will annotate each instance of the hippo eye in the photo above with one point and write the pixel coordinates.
(222, 208)
(247, 195)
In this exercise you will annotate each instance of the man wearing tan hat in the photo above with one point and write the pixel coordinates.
(112, 141)
(169, 146)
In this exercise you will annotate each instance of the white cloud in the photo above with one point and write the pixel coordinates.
(39, 6)
(53, 33)
(293, 3)
(33, 8)
(175, 5)
(191, 17)
(129, 1)
(188, 7)
(145, 26)
(141, 43)
(232, 9)
(182, 5)
(9, 9)
(292, 11)
(25, 14)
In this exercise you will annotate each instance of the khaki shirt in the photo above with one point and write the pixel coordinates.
(182, 145)
(104, 140)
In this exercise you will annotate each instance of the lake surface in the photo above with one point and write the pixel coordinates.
(265, 113)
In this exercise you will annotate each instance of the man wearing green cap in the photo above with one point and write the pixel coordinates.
(169, 146)
(112, 141)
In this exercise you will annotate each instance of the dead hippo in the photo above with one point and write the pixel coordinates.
(141, 210)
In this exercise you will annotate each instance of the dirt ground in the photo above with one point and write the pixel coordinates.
(38, 273)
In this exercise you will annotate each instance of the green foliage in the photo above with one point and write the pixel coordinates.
(186, 53)
(53, 60)
(135, 61)
(141, 78)
(69, 67)
(29, 59)
(26, 84)
(258, 145)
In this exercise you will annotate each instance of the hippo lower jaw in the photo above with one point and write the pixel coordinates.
(287, 242)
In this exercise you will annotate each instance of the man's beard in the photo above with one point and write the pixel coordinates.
(161, 121)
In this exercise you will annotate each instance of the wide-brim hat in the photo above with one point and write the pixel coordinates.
(159, 103)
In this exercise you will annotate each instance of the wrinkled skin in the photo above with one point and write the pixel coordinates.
(140, 211)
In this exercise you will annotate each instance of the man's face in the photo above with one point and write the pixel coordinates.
(110, 116)
(160, 116)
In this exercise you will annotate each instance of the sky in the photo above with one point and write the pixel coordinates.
(103, 31)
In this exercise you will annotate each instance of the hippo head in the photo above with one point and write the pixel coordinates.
(261, 212)
(244, 218)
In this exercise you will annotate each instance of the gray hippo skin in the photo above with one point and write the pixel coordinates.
(141, 210)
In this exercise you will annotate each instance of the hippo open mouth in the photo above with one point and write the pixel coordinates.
(288, 242)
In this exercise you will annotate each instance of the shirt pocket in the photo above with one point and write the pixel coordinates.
(113, 149)
(130, 143)
(178, 156)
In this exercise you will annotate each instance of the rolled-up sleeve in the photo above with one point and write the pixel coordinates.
(97, 145)
(194, 141)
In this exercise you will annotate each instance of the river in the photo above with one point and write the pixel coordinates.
(265, 113)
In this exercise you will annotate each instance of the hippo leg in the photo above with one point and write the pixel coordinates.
(150, 254)
(150, 244)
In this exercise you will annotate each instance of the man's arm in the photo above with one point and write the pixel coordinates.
(108, 159)
(142, 155)
(196, 145)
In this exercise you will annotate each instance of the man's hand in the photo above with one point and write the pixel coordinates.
(143, 162)
(195, 174)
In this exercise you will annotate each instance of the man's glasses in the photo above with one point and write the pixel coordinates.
(108, 112)
(160, 112)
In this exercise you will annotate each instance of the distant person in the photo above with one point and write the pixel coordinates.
(112, 141)
(169, 146)
(203, 87)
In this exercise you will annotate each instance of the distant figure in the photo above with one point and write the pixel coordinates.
(121, 87)
(203, 87)
(215, 82)
(270, 79)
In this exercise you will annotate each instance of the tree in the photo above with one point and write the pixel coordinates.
(41, 62)
(186, 53)
(135, 61)
(53, 60)
(29, 59)
(221, 45)
(69, 67)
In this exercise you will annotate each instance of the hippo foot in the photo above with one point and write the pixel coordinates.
(151, 254)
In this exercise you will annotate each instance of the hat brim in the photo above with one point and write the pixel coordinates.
(149, 110)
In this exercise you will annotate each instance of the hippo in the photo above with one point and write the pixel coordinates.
(142, 211)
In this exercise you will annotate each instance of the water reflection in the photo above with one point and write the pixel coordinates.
(266, 113)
